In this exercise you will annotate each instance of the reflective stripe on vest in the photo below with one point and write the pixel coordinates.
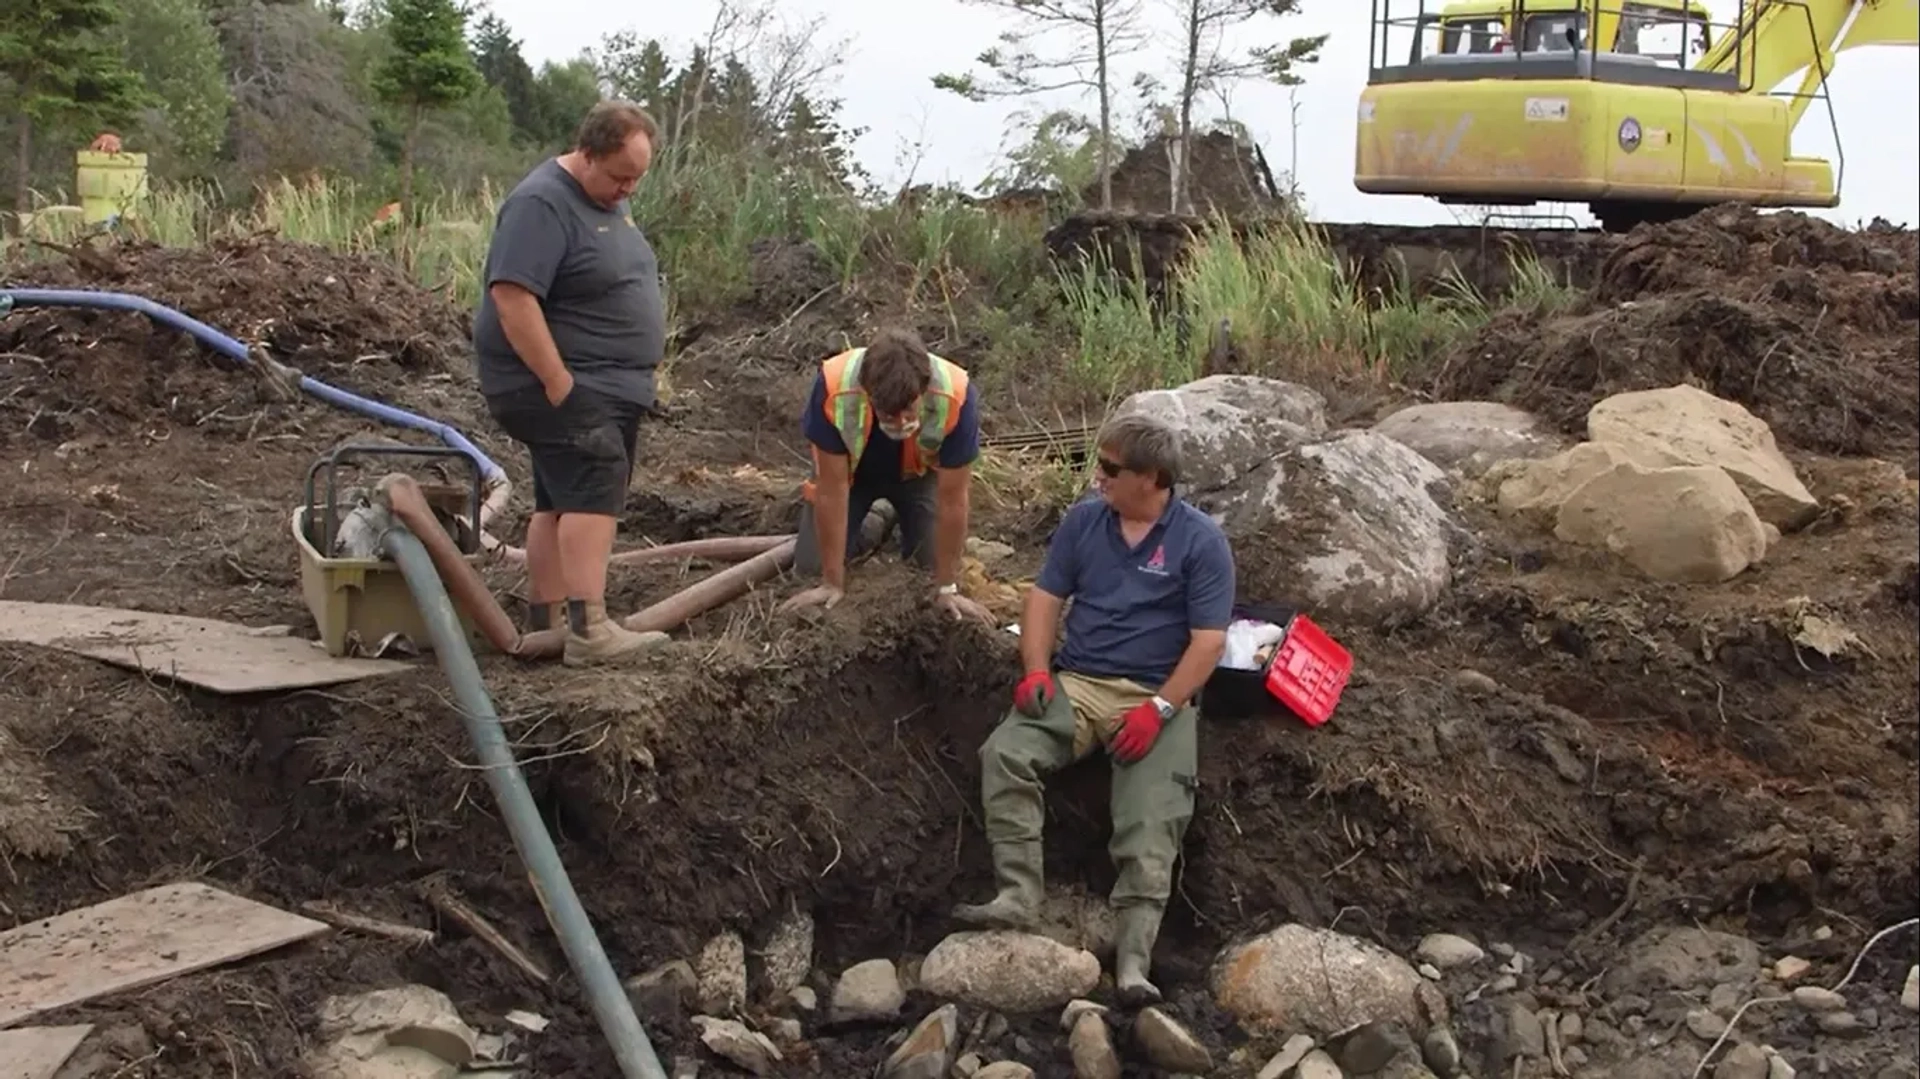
(851, 414)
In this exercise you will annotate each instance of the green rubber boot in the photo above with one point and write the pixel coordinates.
(1017, 867)
(1139, 927)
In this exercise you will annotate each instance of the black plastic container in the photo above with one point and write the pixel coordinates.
(1232, 693)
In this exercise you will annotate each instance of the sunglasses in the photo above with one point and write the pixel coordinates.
(1110, 468)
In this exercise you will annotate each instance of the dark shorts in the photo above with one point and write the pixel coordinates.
(913, 505)
(582, 452)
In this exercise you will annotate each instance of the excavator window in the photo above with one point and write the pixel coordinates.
(1471, 36)
(1662, 35)
(1555, 32)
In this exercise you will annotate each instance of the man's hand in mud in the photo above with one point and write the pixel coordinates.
(823, 596)
(961, 607)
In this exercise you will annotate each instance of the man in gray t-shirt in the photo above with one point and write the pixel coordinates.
(570, 328)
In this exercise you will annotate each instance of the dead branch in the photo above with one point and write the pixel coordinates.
(360, 923)
(438, 893)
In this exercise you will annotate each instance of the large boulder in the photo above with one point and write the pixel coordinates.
(1301, 979)
(1537, 489)
(1672, 524)
(1008, 972)
(1684, 425)
(1469, 436)
(1230, 424)
(1354, 520)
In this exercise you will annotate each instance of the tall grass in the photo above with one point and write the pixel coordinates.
(1288, 305)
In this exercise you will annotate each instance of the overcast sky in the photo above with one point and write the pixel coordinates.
(897, 45)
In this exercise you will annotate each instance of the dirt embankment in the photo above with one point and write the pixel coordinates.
(1813, 327)
(1558, 756)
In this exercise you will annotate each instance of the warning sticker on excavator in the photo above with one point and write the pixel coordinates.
(1547, 109)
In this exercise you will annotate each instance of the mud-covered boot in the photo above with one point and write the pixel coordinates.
(1017, 869)
(1139, 927)
(594, 638)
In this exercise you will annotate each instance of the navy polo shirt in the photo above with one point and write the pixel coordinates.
(1133, 608)
(880, 463)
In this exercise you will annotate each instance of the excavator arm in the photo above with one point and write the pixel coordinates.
(1780, 37)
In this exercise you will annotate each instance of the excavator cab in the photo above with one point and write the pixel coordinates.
(1643, 109)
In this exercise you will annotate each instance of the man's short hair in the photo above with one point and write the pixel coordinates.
(608, 126)
(895, 371)
(1142, 443)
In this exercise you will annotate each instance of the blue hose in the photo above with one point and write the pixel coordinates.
(234, 350)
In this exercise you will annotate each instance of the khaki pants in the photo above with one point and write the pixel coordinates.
(1152, 799)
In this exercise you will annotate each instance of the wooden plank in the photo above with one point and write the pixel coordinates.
(221, 656)
(135, 941)
(38, 1052)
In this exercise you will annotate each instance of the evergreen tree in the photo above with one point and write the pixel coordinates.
(428, 69)
(61, 67)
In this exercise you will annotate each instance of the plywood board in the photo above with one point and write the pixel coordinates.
(221, 656)
(135, 941)
(38, 1052)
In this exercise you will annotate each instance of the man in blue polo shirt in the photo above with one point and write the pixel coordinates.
(1152, 580)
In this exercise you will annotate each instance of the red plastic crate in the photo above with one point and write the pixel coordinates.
(1309, 672)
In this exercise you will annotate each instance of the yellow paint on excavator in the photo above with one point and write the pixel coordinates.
(1518, 101)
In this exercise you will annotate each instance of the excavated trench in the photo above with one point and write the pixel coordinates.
(834, 772)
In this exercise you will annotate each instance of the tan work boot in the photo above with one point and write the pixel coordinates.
(594, 638)
(1017, 868)
(1139, 927)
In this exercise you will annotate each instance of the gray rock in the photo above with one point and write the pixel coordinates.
(788, 954)
(1447, 951)
(1910, 992)
(867, 991)
(1074, 1009)
(1706, 1024)
(1289, 1057)
(1683, 958)
(1091, 1046)
(1791, 968)
(1170, 1045)
(686, 1068)
(732, 1041)
(784, 1031)
(1778, 1068)
(1470, 436)
(1008, 972)
(967, 1066)
(721, 969)
(1317, 1065)
(1306, 980)
(1229, 424)
(1839, 1023)
(1817, 999)
(1368, 1048)
(1725, 999)
(1368, 540)
(1441, 1051)
(803, 998)
(928, 1052)
(1004, 1069)
(1429, 972)
(1525, 1036)
(1571, 1027)
(1743, 1061)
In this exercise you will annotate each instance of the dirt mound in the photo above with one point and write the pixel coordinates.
(1815, 328)
(355, 322)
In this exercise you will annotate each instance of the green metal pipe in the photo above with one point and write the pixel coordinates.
(549, 876)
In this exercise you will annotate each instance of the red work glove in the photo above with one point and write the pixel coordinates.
(1138, 729)
(1034, 693)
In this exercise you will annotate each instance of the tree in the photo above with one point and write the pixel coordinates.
(174, 49)
(497, 55)
(1206, 66)
(428, 69)
(1088, 36)
(61, 66)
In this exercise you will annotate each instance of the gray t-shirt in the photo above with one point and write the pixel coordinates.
(596, 277)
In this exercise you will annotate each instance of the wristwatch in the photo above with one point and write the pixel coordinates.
(947, 590)
(1166, 708)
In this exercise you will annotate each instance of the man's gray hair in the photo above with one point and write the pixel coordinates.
(1139, 442)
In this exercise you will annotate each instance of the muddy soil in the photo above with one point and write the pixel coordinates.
(1815, 328)
(1559, 756)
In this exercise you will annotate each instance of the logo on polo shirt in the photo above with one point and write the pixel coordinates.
(1156, 563)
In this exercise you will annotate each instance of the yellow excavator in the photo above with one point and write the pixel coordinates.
(1646, 110)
